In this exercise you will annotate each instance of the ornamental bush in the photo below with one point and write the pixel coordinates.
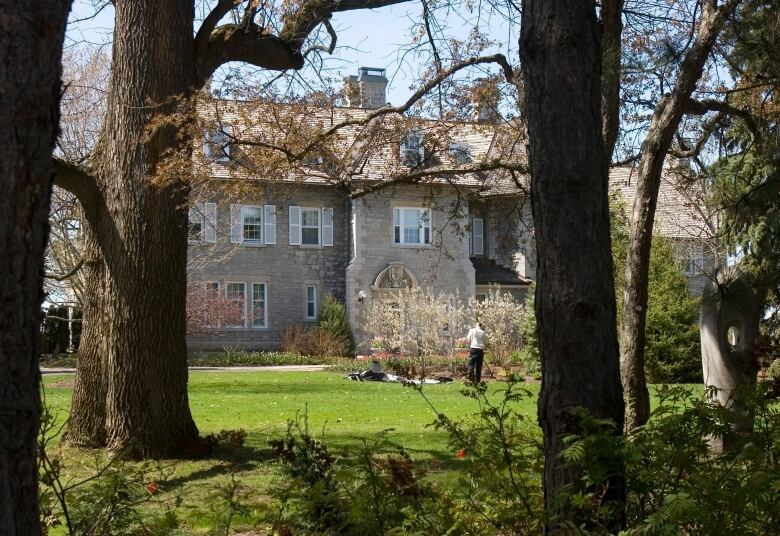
(333, 322)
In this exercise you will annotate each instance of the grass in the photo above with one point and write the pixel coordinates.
(341, 412)
(345, 411)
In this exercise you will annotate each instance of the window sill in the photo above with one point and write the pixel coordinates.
(254, 244)
(413, 246)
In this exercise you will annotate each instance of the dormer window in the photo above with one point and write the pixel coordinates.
(217, 147)
(313, 161)
(412, 150)
(460, 152)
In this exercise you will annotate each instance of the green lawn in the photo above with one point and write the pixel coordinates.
(341, 412)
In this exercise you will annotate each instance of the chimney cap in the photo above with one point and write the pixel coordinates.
(372, 71)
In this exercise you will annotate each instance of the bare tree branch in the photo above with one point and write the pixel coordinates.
(701, 107)
(215, 46)
(61, 319)
(333, 39)
(440, 172)
(70, 273)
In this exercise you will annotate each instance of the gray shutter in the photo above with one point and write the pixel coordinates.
(269, 221)
(478, 236)
(236, 225)
(327, 226)
(210, 219)
(295, 226)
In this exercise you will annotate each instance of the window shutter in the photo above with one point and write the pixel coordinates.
(295, 226)
(210, 221)
(269, 219)
(478, 236)
(236, 225)
(327, 226)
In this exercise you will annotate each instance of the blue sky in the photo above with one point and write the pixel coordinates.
(366, 38)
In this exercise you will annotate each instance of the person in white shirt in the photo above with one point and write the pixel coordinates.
(476, 339)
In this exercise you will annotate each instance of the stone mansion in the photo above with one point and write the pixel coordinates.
(277, 248)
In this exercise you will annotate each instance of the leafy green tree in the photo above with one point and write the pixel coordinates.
(745, 182)
(672, 333)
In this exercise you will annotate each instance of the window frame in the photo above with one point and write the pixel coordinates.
(425, 225)
(245, 315)
(307, 302)
(252, 301)
(460, 152)
(261, 225)
(208, 287)
(195, 210)
(318, 211)
(217, 148)
(406, 148)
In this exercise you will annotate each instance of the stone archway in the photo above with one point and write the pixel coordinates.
(395, 276)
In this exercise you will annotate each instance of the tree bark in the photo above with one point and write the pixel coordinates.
(611, 55)
(664, 123)
(31, 37)
(87, 423)
(141, 229)
(575, 300)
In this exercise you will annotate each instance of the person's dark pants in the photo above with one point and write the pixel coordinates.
(476, 357)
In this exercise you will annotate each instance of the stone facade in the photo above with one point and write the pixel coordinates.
(285, 269)
(443, 266)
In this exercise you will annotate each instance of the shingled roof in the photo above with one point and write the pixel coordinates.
(488, 272)
(378, 161)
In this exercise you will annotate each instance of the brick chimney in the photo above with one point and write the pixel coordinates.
(368, 89)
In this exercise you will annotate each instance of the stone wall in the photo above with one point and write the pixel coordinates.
(509, 238)
(285, 269)
(444, 266)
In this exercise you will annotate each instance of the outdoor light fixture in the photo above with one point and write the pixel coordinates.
(361, 296)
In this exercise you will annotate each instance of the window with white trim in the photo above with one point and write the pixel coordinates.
(460, 152)
(259, 305)
(235, 293)
(310, 226)
(412, 151)
(411, 225)
(311, 302)
(217, 147)
(252, 224)
(211, 295)
(196, 224)
(202, 222)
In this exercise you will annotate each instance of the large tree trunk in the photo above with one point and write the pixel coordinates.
(665, 121)
(575, 300)
(144, 242)
(87, 423)
(31, 36)
(139, 223)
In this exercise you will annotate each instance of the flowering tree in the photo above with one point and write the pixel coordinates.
(418, 322)
(208, 310)
(501, 315)
(422, 322)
